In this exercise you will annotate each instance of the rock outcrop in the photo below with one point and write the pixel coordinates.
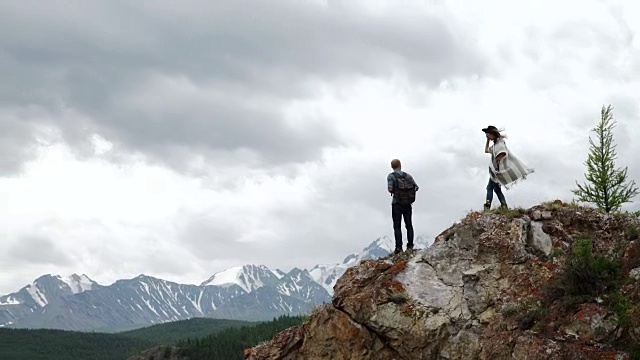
(490, 287)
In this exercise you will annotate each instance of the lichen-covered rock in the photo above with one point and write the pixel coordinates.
(593, 322)
(474, 294)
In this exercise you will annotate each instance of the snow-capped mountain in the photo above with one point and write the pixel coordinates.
(249, 292)
(248, 277)
(131, 303)
(39, 293)
(300, 284)
(328, 274)
(294, 293)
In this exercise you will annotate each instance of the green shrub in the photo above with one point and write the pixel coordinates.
(584, 279)
(586, 276)
(633, 233)
(532, 316)
(621, 306)
(557, 252)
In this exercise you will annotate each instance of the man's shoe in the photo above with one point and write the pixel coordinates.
(398, 251)
(504, 206)
(487, 207)
(410, 247)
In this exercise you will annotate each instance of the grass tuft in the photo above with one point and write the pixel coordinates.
(510, 213)
(633, 233)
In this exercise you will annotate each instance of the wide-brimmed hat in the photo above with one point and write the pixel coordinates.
(491, 129)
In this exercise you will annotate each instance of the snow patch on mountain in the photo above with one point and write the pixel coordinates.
(295, 282)
(229, 276)
(248, 277)
(279, 273)
(77, 283)
(299, 284)
(10, 300)
(36, 295)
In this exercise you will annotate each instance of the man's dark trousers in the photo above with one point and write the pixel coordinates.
(398, 212)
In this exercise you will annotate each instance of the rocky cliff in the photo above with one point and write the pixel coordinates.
(551, 282)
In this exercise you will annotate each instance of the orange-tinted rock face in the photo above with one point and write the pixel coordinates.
(479, 292)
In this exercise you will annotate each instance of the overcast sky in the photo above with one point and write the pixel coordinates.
(177, 139)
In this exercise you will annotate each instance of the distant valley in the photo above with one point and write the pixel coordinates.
(228, 337)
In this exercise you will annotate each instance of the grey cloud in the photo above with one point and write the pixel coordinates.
(89, 57)
(209, 238)
(626, 112)
(15, 140)
(592, 47)
(159, 259)
(218, 122)
(38, 250)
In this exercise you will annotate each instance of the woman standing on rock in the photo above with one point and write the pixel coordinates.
(504, 170)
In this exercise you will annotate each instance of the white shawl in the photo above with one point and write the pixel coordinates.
(510, 170)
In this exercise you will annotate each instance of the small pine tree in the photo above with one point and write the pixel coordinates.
(606, 186)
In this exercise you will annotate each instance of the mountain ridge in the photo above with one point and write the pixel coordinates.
(39, 293)
(249, 292)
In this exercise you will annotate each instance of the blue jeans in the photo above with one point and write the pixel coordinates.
(494, 186)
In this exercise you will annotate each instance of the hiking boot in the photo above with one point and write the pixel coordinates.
(504, 206)
(487, 207)
(398, 251)
(409, 247)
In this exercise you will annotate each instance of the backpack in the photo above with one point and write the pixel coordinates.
(405, 190)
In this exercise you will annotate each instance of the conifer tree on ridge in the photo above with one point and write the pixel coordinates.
(607, 186)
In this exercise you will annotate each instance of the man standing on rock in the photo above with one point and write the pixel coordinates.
(504, 170)
(403, 189)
